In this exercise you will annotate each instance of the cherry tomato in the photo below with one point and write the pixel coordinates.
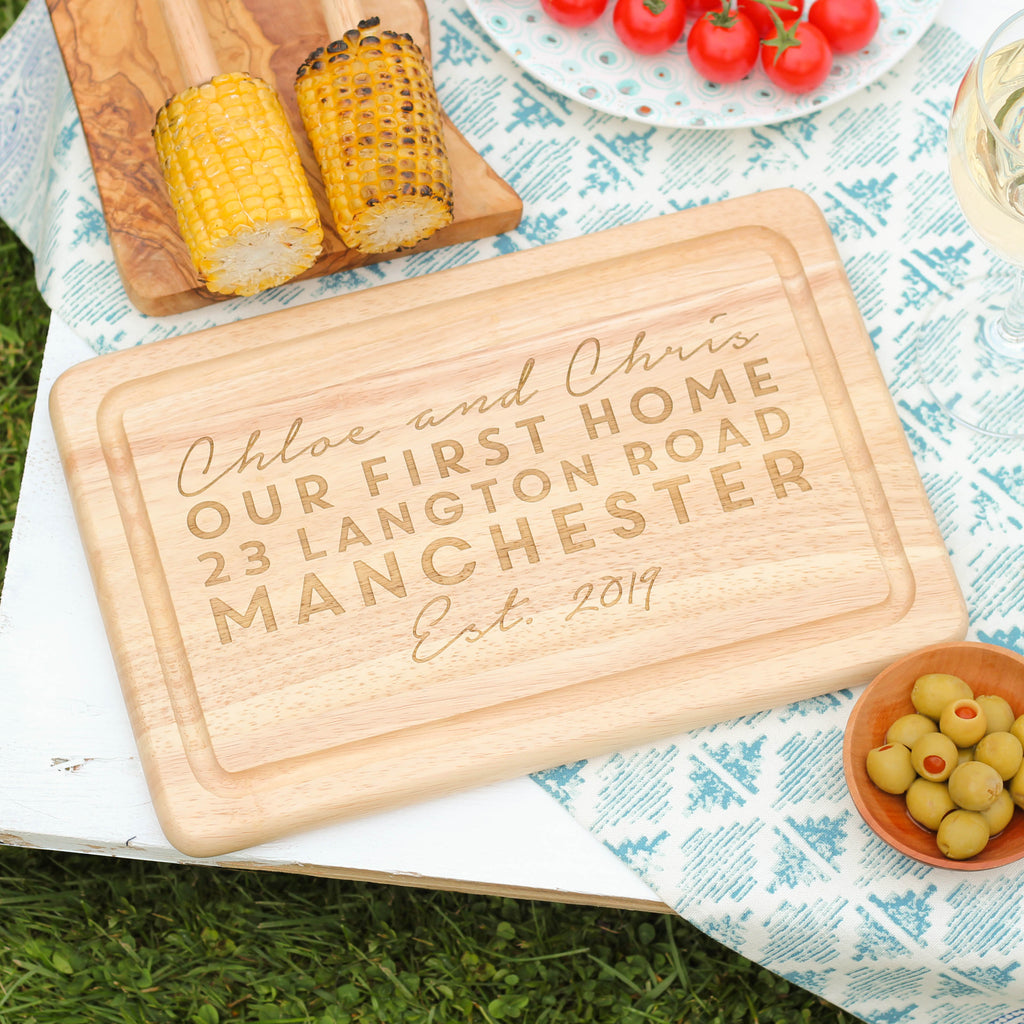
(848, 25)
(695, 8)
(574, 13)
(649, 26)
(757, 12)
(797, 59)
(722, 46)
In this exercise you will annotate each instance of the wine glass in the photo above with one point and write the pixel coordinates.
(970, 352)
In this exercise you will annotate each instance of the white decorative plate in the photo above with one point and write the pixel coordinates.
(591, 65)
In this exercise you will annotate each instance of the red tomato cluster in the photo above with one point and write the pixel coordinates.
(729, 36)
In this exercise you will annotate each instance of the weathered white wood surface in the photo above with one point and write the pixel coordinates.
(70, 778)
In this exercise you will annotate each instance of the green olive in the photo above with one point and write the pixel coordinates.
(1003, 751)
(999, 815)
(1016, 788)
(909, 729)
(934, 756)
(1018, 728)
(963, 721)
(889, 768)
(998, 712)
(929, 802)
(964, 754)
(962, 834)
(932, 692)
(974, 786)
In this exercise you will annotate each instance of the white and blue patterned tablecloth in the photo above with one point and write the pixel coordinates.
(745, 828)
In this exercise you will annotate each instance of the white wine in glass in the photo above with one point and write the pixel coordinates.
(971, 353)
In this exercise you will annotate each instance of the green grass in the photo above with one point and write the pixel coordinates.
(89, 940)
(23, 320)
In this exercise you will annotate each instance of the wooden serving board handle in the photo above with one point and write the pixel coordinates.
(191, 40)
(340, 16)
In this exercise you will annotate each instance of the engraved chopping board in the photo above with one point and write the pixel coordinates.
(122, 66)
(553, 504)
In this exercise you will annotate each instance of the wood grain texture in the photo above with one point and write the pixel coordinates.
(348, 561)
(123, 64)
(191, 40)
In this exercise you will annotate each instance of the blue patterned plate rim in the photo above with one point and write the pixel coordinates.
(591, 66)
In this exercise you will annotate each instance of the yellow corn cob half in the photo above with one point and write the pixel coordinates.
(242, 199)
(372, 116)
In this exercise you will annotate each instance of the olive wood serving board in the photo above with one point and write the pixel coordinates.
(123, 65)
(557, 503)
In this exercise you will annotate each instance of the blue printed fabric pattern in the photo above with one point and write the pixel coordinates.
(745, 828)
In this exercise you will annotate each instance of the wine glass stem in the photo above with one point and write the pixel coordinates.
(1011, 321)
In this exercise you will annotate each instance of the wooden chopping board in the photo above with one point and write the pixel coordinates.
(456, 529)
(123, 66)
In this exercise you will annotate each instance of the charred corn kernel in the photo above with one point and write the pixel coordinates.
(371, 113)
(242, 199)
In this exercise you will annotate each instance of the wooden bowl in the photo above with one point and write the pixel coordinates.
(987, 669)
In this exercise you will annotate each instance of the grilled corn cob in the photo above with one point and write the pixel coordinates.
(243, 203)
(368, 104)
